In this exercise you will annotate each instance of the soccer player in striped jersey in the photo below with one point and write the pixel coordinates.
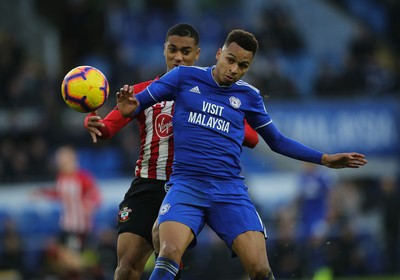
(139, 209)
(80, 197)
(206, 184)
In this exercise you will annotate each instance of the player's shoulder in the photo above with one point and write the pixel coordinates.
(190, 69)
(83, 173)
(141, 86)
(191, 73)
(246, 86)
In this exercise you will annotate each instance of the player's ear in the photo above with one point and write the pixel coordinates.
(197, 54)
(165, 49)
(218, 53)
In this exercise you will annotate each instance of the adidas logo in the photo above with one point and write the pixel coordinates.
(195, 90)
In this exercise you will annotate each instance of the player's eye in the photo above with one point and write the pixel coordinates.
(172, 50)
(243, 65)
(186, 51)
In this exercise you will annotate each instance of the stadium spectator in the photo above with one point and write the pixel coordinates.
(12, 255)
(390, 210)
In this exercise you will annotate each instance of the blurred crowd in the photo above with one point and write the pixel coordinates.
(124, 39)
(112, 36)
(336, 228)
(333, 227)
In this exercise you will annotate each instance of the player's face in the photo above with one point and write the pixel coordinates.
(180, 51)
(66, 160)
(232, 63)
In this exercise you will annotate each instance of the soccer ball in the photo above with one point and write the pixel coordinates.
(85, 89)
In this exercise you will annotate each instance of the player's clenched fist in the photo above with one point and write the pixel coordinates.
(126, 101)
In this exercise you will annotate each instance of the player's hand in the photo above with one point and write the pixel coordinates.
(344, 160)
(126, 101)
(92, 125)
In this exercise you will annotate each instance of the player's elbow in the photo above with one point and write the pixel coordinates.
(251, 143)
(250, 136)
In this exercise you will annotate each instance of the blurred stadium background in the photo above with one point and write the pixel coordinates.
(330, 72)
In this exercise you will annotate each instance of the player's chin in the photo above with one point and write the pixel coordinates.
(228, 83)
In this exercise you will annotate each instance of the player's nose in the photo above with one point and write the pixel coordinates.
(234, 68)
(178, 56)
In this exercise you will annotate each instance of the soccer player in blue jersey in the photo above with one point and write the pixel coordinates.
(207, 187)
(139, 208)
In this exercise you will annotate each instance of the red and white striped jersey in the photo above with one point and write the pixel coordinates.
(80, 197)
(156, 136)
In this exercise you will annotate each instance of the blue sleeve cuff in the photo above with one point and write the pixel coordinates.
(145, 100)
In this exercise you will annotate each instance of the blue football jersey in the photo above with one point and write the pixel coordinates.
(208, 120)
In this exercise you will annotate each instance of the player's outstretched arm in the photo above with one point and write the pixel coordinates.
(344, 160)
(105, 128)
(291, 148)
(126, 101)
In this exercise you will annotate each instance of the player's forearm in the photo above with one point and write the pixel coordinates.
(296, 150)
(113, 122)
(287, 146)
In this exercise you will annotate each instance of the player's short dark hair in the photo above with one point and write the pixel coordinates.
(244, 39)
(184, 30)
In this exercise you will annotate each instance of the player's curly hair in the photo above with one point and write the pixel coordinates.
(184, 30)
(244, 39)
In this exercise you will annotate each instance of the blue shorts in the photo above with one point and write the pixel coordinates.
(225, 206)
